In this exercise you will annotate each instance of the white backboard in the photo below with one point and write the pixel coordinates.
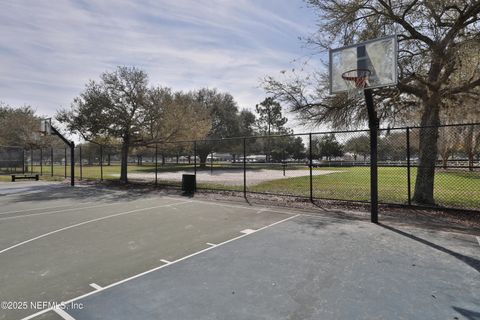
(377, 55)
(46, 126)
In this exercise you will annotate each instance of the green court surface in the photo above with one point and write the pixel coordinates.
(90, 252)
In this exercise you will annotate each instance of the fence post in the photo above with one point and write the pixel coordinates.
(51, 161)
(211, 162)
(65, 169)
(41, 161)
(156, 164)
(81, 164)
(72, 163)
(31, 161)
(409, 188)
(373, 124)
(195, 159)
(245, 168)
(23, 161)
(310, 165)
(101, 162)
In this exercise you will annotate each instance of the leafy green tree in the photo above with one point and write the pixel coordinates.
(247, 122)
(270, 121)
(328, 146)
(296, 148)
(225, 122)
(122, 107)
(359, 145)
(284, 147)
(114, 107)
(18, 127)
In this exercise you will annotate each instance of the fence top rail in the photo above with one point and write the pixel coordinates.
(305, 134)
(439, 126)
(152, 143)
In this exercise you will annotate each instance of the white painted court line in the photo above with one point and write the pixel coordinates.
(165, 261)
(43, 208)
(63, 314)
(159, 267)
(247, 231)
(69, 209)
(211, 244)
(58, 211)
(265, 209)
(88, 221)
(95, 286)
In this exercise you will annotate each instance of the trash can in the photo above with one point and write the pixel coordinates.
(188, 183)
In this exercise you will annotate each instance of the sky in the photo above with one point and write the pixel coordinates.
(50, 49)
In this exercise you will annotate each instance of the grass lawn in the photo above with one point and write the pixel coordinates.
(452, 189)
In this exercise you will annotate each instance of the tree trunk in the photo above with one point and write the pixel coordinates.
(428, 149)
(471, 159)
(203, 159)
(445, 162)
(124, 160)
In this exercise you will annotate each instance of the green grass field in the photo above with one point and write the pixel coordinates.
(458, 189)
(452, 189)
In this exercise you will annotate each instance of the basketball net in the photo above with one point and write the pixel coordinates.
(356, 81)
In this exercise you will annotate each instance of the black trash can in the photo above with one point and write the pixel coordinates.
(188, 183)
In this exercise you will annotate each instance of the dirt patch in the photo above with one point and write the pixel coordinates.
(233, 177)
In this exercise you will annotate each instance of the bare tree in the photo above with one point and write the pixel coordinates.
(429, 34)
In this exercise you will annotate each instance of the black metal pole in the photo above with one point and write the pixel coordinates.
(409, 188)
(41, 161)
(211, 162)
(72, 163)
(373, 125)
(51, 161)
(284, 163)
(31, 161)
(156, 164)
(195, 159)
(65, 169)
(81, 164)
(310, 165)
(23, 161)
(244, 168)
(101, 163)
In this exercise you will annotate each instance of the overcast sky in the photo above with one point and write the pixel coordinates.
(50, 49)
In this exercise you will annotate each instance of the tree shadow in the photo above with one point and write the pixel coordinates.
(86, 193)
(469, 314)
(472, 262)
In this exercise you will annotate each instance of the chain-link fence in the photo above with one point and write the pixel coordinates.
(430, 166)
(12, 160)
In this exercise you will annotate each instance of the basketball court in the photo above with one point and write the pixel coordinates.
(142, 254)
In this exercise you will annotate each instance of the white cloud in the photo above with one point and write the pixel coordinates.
(50, 49)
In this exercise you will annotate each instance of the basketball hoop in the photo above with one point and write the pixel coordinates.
(356, 80)
(46, 127)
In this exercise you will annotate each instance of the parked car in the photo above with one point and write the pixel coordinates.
(315, 163)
